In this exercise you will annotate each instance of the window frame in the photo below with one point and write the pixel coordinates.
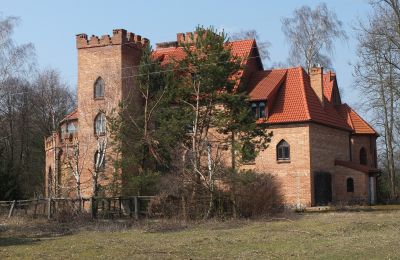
(95, 87)
(283, 151)
(104, 125)
(257, 111)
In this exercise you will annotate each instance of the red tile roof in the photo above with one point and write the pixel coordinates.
(241, 48)
(288, 91)
(71, 116)
(297, 102)
(264, 83)
(358, 124)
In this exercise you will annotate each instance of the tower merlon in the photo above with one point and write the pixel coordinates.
(119, 37)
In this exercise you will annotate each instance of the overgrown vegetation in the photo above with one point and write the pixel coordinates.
(32, 103)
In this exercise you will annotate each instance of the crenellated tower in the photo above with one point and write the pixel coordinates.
(106, 69)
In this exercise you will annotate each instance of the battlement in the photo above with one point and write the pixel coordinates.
(186, 38)
(119, 37)
(189, 37)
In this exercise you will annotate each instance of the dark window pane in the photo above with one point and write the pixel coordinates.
(350, 185)
(283, 150)
(261, 109)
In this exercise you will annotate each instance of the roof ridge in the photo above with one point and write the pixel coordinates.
(351, 120)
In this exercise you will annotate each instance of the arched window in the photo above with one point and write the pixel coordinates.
(363, 156)
(99, 88)
(248, 152)
(350, 185)
(100, 124)
(99, 162)
(283, 151)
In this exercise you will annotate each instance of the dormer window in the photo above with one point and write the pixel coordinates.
(99, 88)
(259, 109)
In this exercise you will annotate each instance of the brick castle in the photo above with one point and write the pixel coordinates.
(321, 152)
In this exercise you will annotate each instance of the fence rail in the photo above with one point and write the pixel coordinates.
(103, 207)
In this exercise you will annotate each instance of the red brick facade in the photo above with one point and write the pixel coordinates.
(325, 136)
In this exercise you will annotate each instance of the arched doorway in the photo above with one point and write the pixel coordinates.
(322, 188)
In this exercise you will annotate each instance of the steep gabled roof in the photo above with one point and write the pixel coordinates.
(296, 101)
(263, 83)
(355, 121)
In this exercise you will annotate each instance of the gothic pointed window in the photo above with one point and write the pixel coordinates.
(99, 88)
(363, 156)
(100, 124)
(283, 151)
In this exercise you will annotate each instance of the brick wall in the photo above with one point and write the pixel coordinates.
(293, 175)
(115, 62)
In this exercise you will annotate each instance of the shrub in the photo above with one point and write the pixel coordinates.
(255, 194)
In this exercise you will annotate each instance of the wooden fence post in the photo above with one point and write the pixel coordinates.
(130, 207)
(93, 207)
(49, 208)
(120, 206)
(136, 202)
(36, 205)
(12, 209)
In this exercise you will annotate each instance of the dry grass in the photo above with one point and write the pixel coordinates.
(334, 235)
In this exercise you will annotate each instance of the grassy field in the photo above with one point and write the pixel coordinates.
(341, 235)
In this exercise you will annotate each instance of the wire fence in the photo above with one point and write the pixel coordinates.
(97, 207)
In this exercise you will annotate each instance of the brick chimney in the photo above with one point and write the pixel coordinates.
(316, 81)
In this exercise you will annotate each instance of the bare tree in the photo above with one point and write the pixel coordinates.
(263, 46)
(76, 160)
(53, 100)
(99, 163)
(378, 77)
(311, 34)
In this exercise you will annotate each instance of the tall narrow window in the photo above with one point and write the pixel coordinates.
(261, 107)
(283, 151)
(100, 124)
(254, 109)
(350, 185)
(99, 88)
(363, 156)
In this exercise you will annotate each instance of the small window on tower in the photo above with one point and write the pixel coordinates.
(100, 124)
(99, 88)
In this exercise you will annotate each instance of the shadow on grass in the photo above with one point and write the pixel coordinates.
(15, 241)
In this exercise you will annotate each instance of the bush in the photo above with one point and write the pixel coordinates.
(255, 194)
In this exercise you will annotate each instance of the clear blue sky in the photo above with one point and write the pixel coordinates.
(51, 26)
